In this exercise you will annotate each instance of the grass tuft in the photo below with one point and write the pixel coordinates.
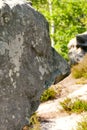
(82, 125)
(74, 105)
(80, 70)
(34, 123)
(48, 94)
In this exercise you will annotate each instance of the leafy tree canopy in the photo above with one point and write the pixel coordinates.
(66, 18)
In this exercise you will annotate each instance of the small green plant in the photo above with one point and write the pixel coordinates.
(82, 125)
(74, 105)
(81, 81)
(34, 122)
(80, 70)
(48, 94)
(66, 104)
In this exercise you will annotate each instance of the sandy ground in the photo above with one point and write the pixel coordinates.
(52, 114)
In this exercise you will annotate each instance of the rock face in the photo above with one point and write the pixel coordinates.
(28, 64)
(77, 48)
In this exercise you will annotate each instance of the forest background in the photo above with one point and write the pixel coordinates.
(66, 18)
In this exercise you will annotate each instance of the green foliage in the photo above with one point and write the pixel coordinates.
(82, 125)
(48, 94)
(80, 70)
(34, 122)
(69, 18)
(66, 104)
(34, 119)
(81, 81)
(74, 105)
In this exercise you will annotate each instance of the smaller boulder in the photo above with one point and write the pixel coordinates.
(77, 48)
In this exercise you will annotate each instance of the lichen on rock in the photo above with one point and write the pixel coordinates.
(28, 63)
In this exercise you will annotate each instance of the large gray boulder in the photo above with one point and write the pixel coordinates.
(28, 64)
(77, 48)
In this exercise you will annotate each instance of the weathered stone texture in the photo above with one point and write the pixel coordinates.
(77, 48)
(28, 64)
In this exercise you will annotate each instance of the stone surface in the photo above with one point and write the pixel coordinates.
(28, 63)
(77, 48)
(51, 114)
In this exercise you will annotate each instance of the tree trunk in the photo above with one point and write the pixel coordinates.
(52, 22)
